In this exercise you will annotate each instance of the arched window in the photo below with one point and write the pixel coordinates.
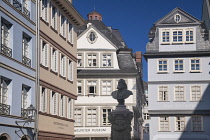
(25, 137)
(4, 136)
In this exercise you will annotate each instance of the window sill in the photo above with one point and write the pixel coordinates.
(44, 67)
(62, 37)
(179, 71)
(70, 81)
(106, 95)
(162, 72)
(196, 101)
(92, 67)
(45, 22)
(70, 43)
(62, 77)
(164, 131)
(168, 43)
(180, 131)
(189, 42)
(163, 101)
(91, 95)
(179, 101)
(54, 29)
(179, 43)
(56, 73)
(195, 71)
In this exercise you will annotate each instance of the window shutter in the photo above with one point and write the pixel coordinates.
(56, 61)
(72, 34)
(40, 98)
(52, 58)
(61, 65)
(46, 54)
(64, 67)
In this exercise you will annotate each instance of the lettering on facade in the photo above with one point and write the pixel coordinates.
(90, 130)
(60, 125)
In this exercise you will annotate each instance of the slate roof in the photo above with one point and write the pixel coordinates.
(113, 35)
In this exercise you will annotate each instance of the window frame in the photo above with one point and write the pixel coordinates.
(70, 106)
(79, 83)
(177, 36)
(178, 64)
(191, 93)
(54, 103)
(70, 70)
(181, 121)
(54, 59)
(193, 35)
(111, 87)
(70, 33)
(201, 123)
(168, 123)
(76, 118)
(158, 66)
(175, 95)
(195, 59)
(54, 17)
(107, 123)
(92, 85)
(62, 25)
(111, 60)
(165, 36)
(167, 94)
(92, 60)
(43, 101)
(62, 65)
(44, 53)
(96, 115)
(44, 10)
(62, 105)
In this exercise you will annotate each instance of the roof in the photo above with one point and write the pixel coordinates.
(113, 35)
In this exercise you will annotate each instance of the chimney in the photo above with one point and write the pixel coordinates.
(138, 56)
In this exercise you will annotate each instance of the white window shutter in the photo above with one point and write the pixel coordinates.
(52, 58)
(61, 64)
(64, 67)
(56, 63)
(40, 99)
(72, 34)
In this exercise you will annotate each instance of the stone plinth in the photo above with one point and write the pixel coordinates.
(121, 123)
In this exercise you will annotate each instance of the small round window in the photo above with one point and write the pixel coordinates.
(92, 37)
(177, 18)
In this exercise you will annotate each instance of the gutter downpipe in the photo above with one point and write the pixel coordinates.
(37, 72)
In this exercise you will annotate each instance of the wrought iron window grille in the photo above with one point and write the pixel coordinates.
(6, 50)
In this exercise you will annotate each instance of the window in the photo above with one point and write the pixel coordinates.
(63, 26)
(54, 59)
(54, 103)
(54, 17)
(70, 33)
(106, 60)
(4, 93)
(165, 36)
(79, 87)
(62, 106)
(195, 93)
(177, 18)
(26, 58)
(180, 123)
(91, 87)
(163, 93)
(43, 99)
(106, 87)
(78, 116)
(69, 108)
(162, 65)
(70, 70)
(197, 123)
(164, 123)
(5, 38)
(25, 104)
(189, 35)
(25, 91)
(79, 60)
(62, 65)
(105, 114)
(44, 12)
(195, 65)
(92, 60)
(178, 65)
(146, 116)
(91, 117)
(92, 37)
(177, 36)
(179, 93)
(44, 53)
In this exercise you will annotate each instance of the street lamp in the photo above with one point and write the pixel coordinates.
(30, 115)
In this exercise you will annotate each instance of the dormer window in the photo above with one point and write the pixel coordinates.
(92, 37)
(177, 18)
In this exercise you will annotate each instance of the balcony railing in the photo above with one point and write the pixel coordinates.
(26, 61)
(6, 50)
(24, 113)
(4, 109)
(17, 5)
(26, 12)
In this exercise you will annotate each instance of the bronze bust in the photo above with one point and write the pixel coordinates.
(122, 93)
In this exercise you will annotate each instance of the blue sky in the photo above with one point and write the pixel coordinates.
(134, 18)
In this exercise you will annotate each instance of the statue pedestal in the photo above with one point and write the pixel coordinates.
(121, 123)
